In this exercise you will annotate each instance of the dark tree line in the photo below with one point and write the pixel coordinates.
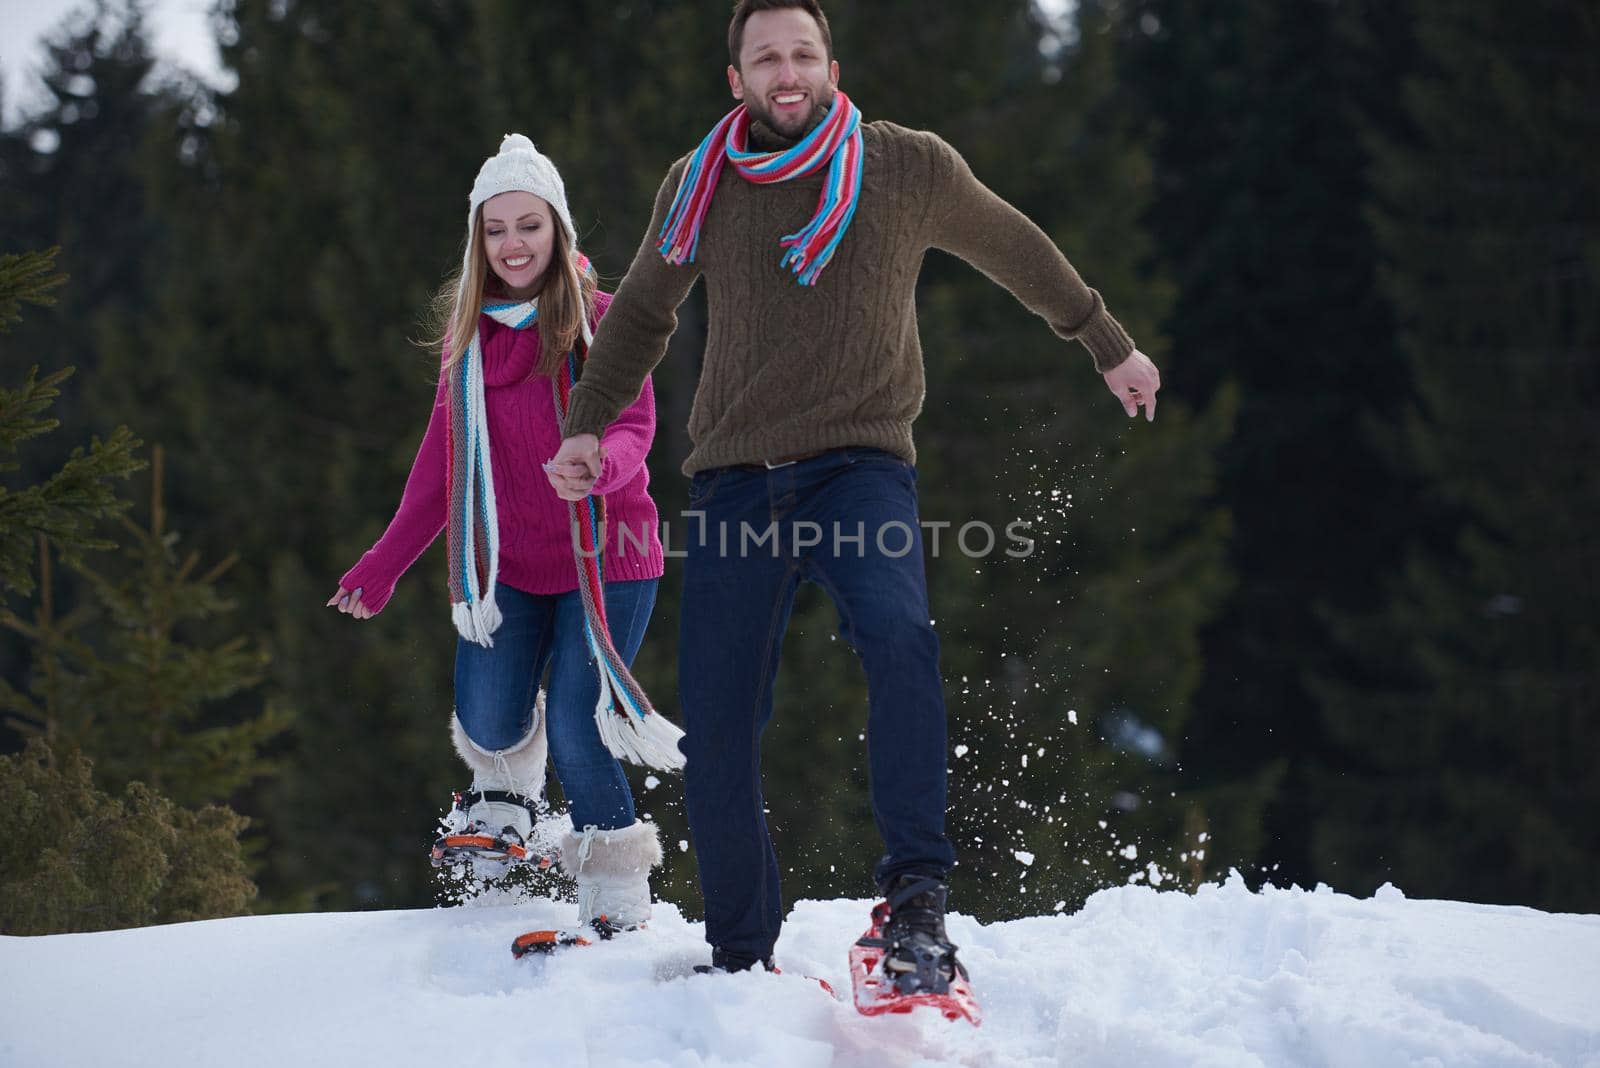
(1327, 619)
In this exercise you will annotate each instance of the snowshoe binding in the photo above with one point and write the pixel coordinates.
(490, 825)
(596, 930)
(905, 959)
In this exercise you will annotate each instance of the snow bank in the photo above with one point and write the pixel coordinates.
(1138, 977)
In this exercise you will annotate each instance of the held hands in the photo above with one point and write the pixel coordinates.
(349, 602)
(1135, 382)
(575, 466)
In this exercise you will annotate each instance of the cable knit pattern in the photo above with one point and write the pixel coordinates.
(795, 369)
(536, 554)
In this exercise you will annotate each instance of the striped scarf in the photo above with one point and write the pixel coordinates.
(835, 143)
(630, 728)
(473, 527)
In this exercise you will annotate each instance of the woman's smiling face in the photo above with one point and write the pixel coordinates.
(518, 231)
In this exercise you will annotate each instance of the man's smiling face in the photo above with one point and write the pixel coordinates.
(784, 76)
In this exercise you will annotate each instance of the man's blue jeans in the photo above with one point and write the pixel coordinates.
(846, 520)
(496, 689)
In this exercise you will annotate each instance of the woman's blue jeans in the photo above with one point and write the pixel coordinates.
(496, 689)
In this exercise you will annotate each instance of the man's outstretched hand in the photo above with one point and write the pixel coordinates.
(575, 466)
(1135, 383)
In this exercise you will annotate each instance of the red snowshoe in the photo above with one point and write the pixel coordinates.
(890, 976)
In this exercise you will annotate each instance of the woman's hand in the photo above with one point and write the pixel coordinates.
(349, 602)
(574, 468)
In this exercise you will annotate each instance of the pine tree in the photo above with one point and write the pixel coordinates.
(74, 858)
(1260, 174)
(68, 504)
(66, 507)
(143, 689)
(1092, 642)
(136, 694)
(1466, 720)
(76, 177)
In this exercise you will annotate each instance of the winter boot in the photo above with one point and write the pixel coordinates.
(613, 873)
(918, 956)
(506, 786)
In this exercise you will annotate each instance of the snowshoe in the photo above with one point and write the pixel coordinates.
(598, 930)
(905, 960)
(490, 825)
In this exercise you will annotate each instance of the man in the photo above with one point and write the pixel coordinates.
(810, 240)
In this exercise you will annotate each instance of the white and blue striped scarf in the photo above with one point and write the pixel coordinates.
(472, 527)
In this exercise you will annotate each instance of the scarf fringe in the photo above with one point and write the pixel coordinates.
(630, 728)
(475, 622)
(650, 741)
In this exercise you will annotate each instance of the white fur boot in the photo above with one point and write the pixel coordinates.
(613, 872)
(505, 782)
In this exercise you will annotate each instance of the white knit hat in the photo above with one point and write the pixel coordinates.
(520, 167)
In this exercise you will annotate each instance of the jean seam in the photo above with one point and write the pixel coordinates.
(627, 632)
(530, 699)
(820, 577)
(769, 679)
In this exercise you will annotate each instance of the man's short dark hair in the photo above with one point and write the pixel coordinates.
(743, 9)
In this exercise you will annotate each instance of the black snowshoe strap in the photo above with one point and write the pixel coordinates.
(465, 799)
(917, 904)
(912, 889)
(605, 928)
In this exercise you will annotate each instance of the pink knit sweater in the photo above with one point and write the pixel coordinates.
(536, 553)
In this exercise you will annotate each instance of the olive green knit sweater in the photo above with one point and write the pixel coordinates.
(792, 369)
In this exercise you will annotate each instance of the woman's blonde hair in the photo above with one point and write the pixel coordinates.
(566, 299)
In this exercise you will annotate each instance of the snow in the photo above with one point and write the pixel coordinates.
(1137, 977)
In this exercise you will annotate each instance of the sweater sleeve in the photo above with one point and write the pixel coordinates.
(416, 523)
(987, 232)
(633, 336)
(627, 442)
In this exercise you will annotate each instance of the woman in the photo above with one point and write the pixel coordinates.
(515, 322)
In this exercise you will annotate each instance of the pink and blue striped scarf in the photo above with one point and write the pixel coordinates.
(629, 725)
(835, 144)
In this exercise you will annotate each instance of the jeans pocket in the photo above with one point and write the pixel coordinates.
(883, 459)
(704, 486)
